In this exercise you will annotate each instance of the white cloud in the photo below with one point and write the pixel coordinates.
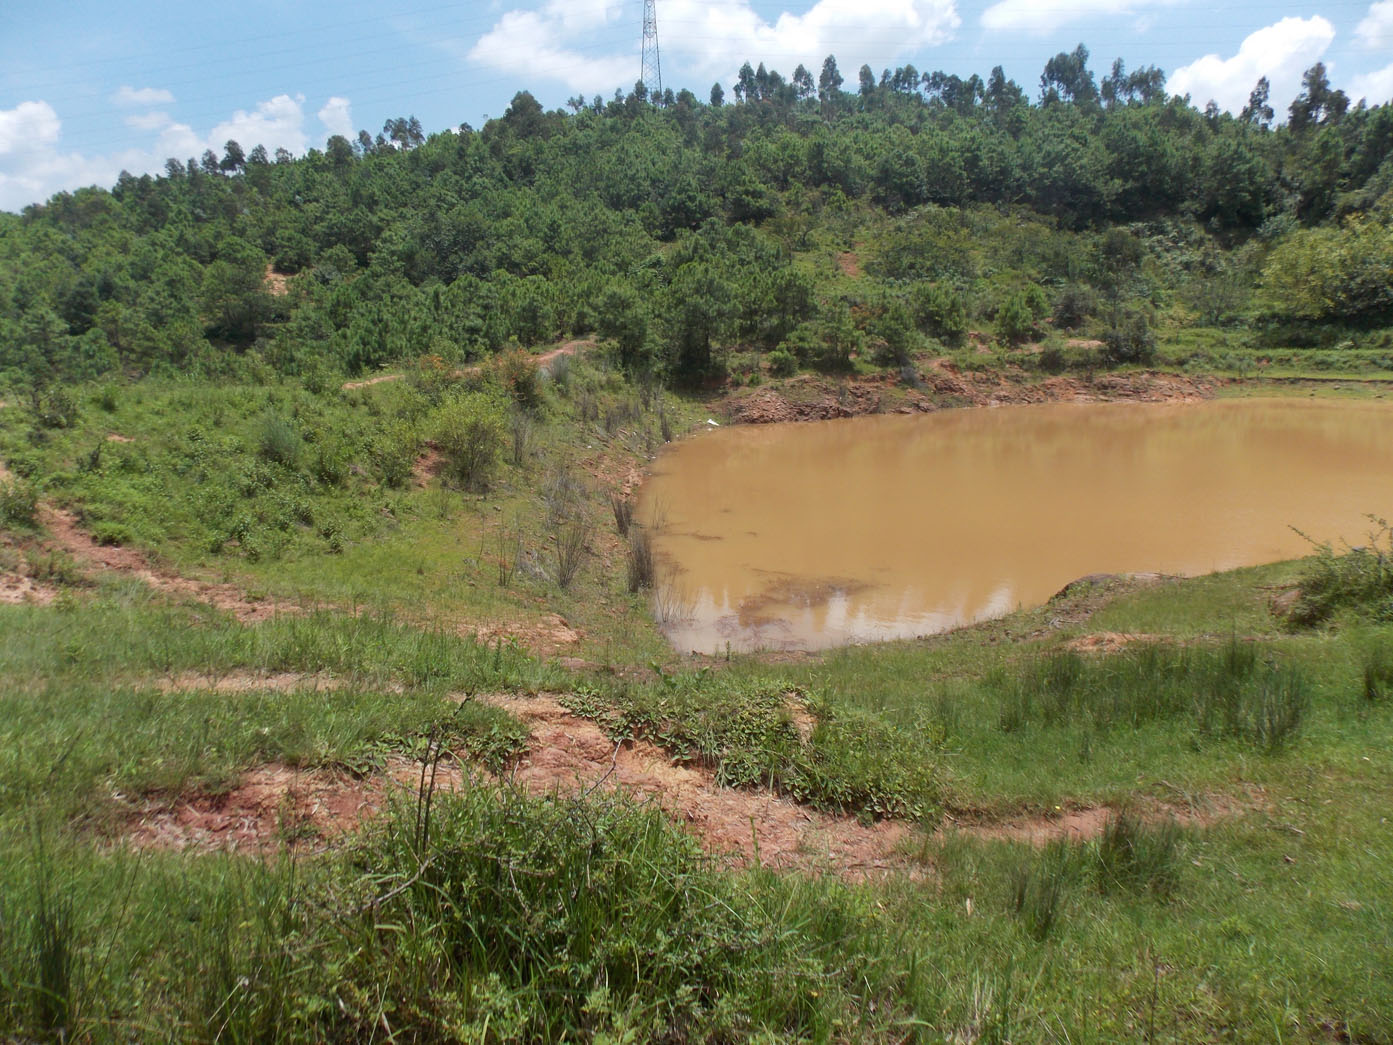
(276, 124)
(1281, 52)
(29, 127)
(1375, 87)
(148, 121)
(33, 165)
(713, 38)
(1376, 30)
(337, 117)
(144, 96)
(1043, 16)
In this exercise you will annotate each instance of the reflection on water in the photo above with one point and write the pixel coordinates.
(884, 527)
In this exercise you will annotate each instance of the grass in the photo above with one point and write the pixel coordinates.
(491, 915)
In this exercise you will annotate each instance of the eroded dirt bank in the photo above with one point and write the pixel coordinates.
(275, 806)
(943, 384)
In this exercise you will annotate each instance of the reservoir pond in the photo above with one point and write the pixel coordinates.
(805, 536)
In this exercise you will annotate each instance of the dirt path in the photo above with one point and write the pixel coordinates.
(543, 361)
(68, 536)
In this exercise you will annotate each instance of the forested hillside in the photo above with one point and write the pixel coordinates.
(681, 228)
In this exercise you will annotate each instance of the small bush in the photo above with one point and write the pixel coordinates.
(112, 534)
(19, 504)
(1051, 359)
(517, 372)
(277, 440)
(1075, 304)
(783, 363)
(470, 430)
(329, 461)
(1378, 676)
(520, 433)
(1014, 321)
(1130, 340)
(1361, 579)
(392, 453)
(55, 408)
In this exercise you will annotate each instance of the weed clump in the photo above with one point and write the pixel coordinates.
(1137, 856)
(1361, 579)
(850, 762)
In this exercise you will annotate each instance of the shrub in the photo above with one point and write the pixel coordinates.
(1129, 340)
(55, 408)
(517, 373)
(1051, 359)
(1076, 303)
(19, 503)
(622, 506)
(1014, 322)
(782, 362)
(392, 452)
(1361, 579)
(1378, 675)
(329, 461)
(277, 440)
(939, 312)
(470, 431)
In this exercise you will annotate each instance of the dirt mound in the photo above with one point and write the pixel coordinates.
(1110, 641)
(17, 588)
(68, 536)
(545, 637)
(849, 263)
(819, 401)
(569, 753)
(270, 807)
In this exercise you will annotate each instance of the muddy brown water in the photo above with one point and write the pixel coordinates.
(805, 536)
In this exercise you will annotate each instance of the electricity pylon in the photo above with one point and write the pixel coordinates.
(652, 75)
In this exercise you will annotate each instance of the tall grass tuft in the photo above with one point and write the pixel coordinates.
(1226, 691)
(1377, 676)
(622, 506)
(642, 567)
(1137, 856)
(1039, 889)
(572, 540)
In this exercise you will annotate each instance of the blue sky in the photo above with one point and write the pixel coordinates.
(88, 89)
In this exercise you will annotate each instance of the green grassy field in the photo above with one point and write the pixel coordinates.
(1238, 888)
